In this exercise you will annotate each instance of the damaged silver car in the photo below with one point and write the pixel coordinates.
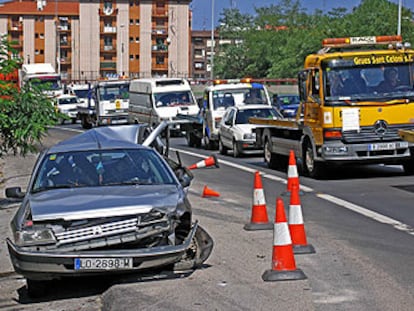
(106, 201)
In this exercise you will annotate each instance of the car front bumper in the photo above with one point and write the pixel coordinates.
(48, 265)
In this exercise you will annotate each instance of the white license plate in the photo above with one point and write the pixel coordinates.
(387, 146)
(103, 263)
(119, 121)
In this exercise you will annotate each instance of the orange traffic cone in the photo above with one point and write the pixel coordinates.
(207, 192)
(296, 225)
(210, 161)
(259, 219)
(283, 260)
(293, 177)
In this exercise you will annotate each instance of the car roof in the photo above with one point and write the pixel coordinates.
(249, 106)
(102, 138)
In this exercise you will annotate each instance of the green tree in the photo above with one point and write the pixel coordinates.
(25, 113)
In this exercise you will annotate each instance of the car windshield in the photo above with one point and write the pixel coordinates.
(171, 99)
(243, 116)
(81, 93)
(102, 168)
(288, 100)
(68, 100)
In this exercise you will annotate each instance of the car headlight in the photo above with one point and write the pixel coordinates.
(249, 136)
(34, 237)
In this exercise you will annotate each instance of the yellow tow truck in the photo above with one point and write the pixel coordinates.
(357, 96)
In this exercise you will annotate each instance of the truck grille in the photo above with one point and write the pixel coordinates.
(368, 134)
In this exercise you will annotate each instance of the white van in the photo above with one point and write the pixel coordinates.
(157, 99)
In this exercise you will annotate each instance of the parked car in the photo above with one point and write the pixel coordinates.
(100, 203)
(68, 105)
(287, 104)
(236, 133)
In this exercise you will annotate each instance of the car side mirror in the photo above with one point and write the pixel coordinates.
(15, 192)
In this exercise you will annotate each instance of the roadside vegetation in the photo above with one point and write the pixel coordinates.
(25, 113)
(275, 41)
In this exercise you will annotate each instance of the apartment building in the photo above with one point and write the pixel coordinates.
(90, 39)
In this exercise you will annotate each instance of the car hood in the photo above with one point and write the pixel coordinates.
(89, 202)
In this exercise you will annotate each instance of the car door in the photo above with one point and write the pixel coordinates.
(226, 128)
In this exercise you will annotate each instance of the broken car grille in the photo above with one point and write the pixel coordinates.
(124, 229)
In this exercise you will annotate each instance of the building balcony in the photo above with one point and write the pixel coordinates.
(108, 49)
(162, 48)
(16, 44)
(15, 26)
(160, 31)
(108, 12)
(160, 13)
(109, 29)
(64, 28)
(107, 65)
(65, 60)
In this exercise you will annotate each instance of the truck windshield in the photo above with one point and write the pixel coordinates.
(50, 84)
(383, 82)
(237, 97)
(114, 91)
(172, 99)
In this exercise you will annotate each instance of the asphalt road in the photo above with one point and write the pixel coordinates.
(359, 220)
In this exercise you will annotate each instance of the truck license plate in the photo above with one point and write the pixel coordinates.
(387, 146)
(103, 263)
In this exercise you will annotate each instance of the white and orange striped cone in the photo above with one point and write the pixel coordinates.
(208, 192)
(259, 219)
(292, 173)
(297, 226)
(208, 162)
(283, 260)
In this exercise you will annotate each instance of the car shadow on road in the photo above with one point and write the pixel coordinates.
(92, 286)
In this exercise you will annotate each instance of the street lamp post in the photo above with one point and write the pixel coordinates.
(212, 42)
(122, 50)
(399, 17)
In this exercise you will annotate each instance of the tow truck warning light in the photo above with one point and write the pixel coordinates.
(360, 41)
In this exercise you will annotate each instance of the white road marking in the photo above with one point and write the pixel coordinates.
(368, 213)
(342, 203)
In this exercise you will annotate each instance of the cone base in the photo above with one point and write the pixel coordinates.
(303, 249)
(258, 226)
(275, 275)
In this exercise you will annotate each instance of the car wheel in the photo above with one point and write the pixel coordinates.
(222, 149)
(198, 252)
(236, 150)
(36, 288)
(74, 121)
(311, 167)
(270, 157)
(189, 138)
(409, 167)
(62, 121)
(86, 123)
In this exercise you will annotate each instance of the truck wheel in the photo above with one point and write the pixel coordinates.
(311, 168)
(35, 288)
(270, 158)
(222, 149)
(190, 139)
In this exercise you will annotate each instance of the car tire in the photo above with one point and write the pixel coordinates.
(236, 150)
(36, 288)
(409, 167)
(74, 121)
(269, 157)
(222, 149)
(200, 249)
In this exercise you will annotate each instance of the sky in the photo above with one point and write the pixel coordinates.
(202, 9)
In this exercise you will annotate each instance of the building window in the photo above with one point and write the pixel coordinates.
(36, 35)
(41, 36)
(37, 52)
(131, 39)
(136, 57)
(137, 40)
(159, 60)
(131, 57)
(137, 21)
(131, 22)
